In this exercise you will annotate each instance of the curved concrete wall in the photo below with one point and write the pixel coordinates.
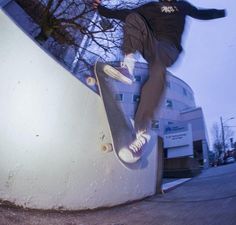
(51, 130)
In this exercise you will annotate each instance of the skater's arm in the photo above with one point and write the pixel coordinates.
(110, 13)
(204, 14)
(114, 14)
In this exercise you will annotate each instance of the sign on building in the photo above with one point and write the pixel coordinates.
(178, 140)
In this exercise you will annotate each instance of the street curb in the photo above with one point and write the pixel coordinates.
(174, 184)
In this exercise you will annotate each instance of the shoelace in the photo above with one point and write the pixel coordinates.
(124, 66)
(137, 144)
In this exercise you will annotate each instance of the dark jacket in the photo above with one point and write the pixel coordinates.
(165, 19)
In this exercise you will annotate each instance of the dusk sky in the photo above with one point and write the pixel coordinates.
(208, 63)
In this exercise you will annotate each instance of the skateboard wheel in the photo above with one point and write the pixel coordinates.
(107, 147)
(90, 81)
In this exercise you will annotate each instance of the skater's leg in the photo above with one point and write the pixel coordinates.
(165, 55)
(137, 37)
(151, 95)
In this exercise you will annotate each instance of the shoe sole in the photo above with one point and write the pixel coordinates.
(114, 73)
(126, 156)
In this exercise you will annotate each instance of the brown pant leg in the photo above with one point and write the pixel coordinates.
(159, 55)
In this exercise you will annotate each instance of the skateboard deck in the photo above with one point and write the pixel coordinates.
(120, 103)
(121, 128)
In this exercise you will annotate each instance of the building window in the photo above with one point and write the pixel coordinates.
(155, 124)
(169, 103)
(136, 98)
(137, 78)
(119, 97)
(184, 92)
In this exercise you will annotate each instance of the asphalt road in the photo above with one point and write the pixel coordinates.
(209, 199)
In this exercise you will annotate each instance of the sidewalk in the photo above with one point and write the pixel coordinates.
(171, 184)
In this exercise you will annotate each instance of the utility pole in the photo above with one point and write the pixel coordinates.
(223, 133)
(223, 130)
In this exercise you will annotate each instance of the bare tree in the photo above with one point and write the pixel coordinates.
(218, 139)
(68, 22)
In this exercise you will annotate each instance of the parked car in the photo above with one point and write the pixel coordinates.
(229, 160)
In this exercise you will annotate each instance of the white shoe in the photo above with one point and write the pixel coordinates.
(133, 153)
(119, 73)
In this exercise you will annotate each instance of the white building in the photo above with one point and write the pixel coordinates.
(179, 109)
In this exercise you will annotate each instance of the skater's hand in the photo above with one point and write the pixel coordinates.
(96, 3)
(224, 13)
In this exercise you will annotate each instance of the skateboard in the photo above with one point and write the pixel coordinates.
(120, 126)
(120, 101)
